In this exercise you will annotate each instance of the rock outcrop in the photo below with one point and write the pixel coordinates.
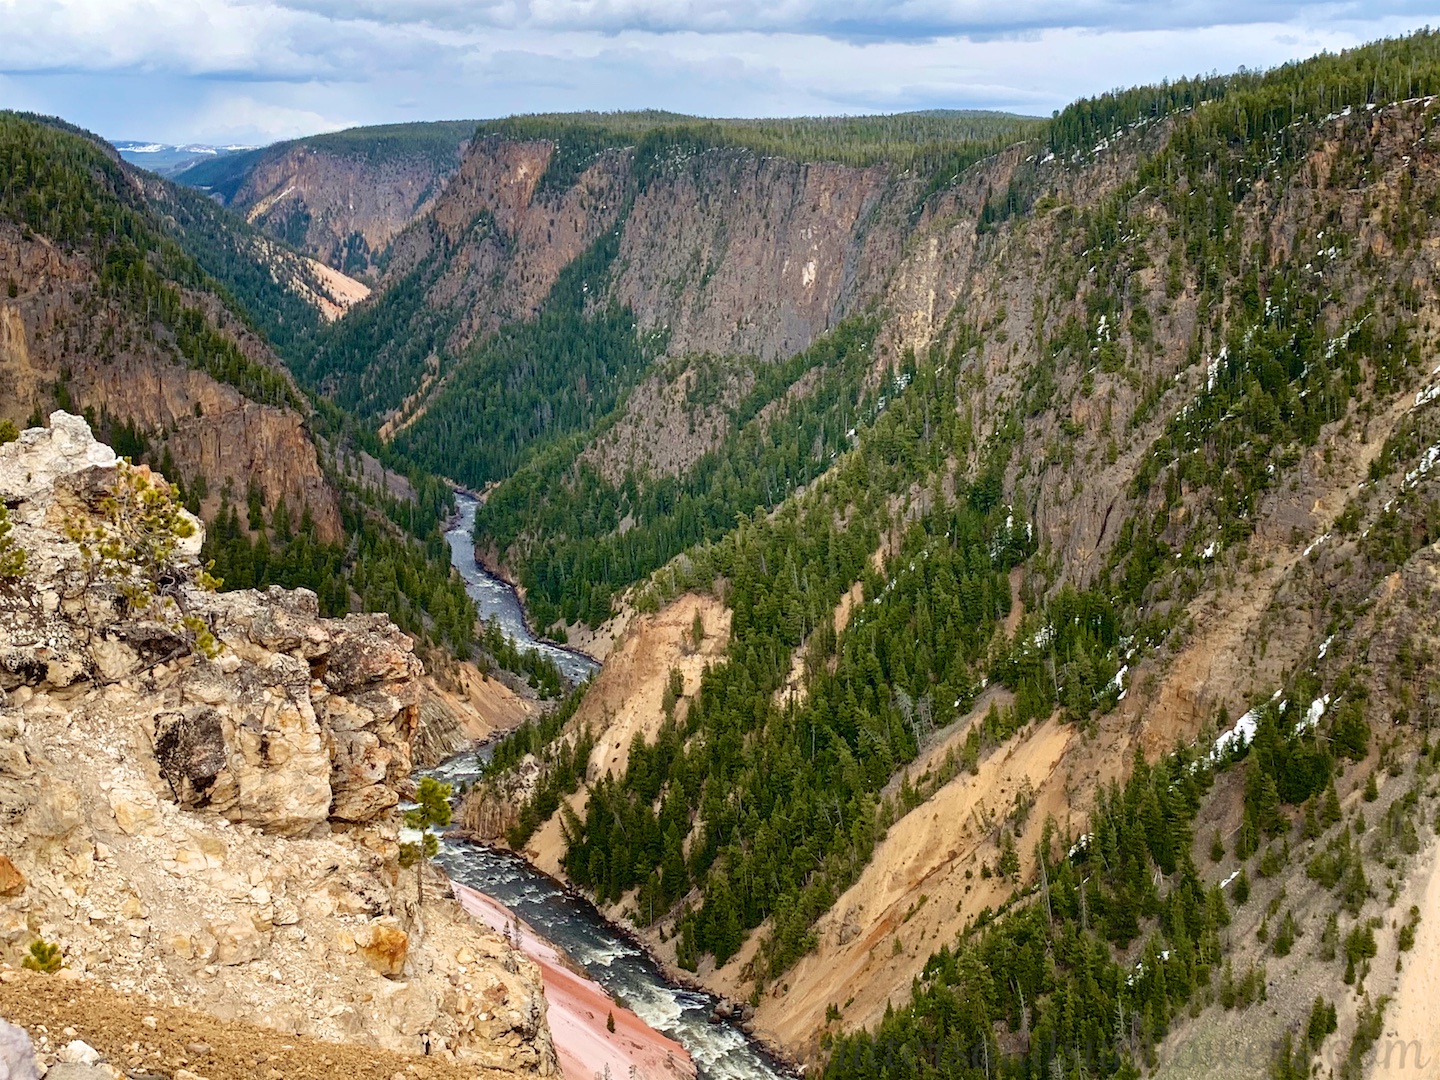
(198, 790)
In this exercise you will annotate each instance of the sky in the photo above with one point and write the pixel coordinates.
(256, 71)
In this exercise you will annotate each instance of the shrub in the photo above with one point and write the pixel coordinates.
(135, 546)
(12, 555)
(44, 957)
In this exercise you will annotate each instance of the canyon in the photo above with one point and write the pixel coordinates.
(1012, 578)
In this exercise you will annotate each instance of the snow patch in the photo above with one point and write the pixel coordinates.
(1313, 713)
(1424, 465)
(1241, 734)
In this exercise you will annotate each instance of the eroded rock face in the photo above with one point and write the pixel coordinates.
(220, 824)
(209, 427)
(298, 720)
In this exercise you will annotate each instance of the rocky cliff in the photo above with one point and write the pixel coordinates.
(199, 790)
(64, 334)
(495, 241)
(341, 199)
(723, 252)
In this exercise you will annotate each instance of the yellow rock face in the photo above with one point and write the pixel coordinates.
(12, 881)
(384, 948)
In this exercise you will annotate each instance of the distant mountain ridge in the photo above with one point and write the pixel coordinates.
(167, 159)
(339, 197)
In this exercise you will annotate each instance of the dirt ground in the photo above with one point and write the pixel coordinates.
(49, 1007)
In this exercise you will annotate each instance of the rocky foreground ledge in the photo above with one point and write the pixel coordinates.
(198, 790)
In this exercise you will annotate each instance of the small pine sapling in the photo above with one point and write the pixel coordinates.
(432, 811)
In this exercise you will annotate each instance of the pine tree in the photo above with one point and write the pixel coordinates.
(432, 810)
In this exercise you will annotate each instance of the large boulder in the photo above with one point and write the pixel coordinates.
(17, 1055)
(384, 946)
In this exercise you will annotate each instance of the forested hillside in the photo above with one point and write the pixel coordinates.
(158, 315)
(1134, 400)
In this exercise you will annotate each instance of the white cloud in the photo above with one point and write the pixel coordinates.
(248, 70)
(862, 19)
(243, 119)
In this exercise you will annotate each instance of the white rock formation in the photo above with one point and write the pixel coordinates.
(222, 831)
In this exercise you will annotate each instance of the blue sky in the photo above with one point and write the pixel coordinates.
(252, 71)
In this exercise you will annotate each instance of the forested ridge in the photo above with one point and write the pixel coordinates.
(938, 144)
(751, 806)
(63, 186)
(256, 272)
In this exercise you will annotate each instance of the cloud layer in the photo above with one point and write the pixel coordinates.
(256, 70)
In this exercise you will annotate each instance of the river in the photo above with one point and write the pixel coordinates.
(497, 600)
(721, 1051)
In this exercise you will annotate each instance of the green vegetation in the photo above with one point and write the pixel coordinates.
(561, 521)
(133, 544)
(838, 475)
(788, 796)
(222, 176)
(373, 359)
(939, 143)
(532, 382)
(379, 566)
(1061, 951)
(432, 811)
(1262, 106)
(537, 669)
(1368, 1028)
(1050, 968)
(67, 189)
(12, 555)
(768, 809)
(236, 256)
(562, 765)
(43, 957)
